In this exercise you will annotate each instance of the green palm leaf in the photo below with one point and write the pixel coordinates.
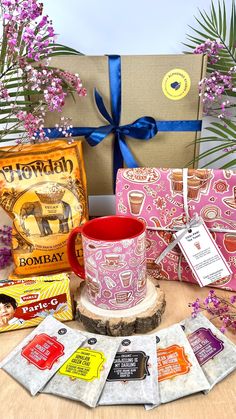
(213, 26)
(216, 24)
(20, 93)
(225, 136)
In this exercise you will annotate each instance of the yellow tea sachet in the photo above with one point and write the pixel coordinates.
(43, 188)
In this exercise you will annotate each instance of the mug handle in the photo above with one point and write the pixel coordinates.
(76, 267)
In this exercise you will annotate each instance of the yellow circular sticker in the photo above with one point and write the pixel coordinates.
(176, 84)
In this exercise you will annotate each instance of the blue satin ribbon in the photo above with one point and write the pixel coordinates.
(143, 128)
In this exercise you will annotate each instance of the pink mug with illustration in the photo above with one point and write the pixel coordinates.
(114, 261)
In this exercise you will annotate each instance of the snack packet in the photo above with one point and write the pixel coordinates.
(215, 353)
(84, 374)
(43, 189)
(26, 302)
(133, 375)
(37, 358)
(179, 373)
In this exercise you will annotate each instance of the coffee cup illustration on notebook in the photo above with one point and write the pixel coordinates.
(136, 201)
(230, 242)
(231, 201)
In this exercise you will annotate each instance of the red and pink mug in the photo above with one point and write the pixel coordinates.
(114, 261)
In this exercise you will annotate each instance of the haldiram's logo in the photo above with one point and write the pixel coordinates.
(176, 84)
(37, 168)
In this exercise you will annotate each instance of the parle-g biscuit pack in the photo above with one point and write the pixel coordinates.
(25, 303)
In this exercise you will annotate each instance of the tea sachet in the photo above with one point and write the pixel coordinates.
(133, 375)
(37, 358)
(84, 374)
(179, 373)
(215, 353)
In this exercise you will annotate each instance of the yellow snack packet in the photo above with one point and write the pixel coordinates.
(43, 189)
(26, 302)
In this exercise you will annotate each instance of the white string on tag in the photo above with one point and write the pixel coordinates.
(189, 223)
(185, 194)
(194, 222)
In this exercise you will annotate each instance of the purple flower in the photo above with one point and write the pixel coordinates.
(196, 308)
(5, 235)
(213, 88)
(218, 307)
(211, 49)
(29, 35)
(23, 15)
(5, 257)
(4, 94)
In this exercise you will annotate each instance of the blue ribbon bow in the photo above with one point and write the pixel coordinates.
(143, 128)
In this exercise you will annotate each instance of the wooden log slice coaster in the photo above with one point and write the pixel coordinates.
(142, 318)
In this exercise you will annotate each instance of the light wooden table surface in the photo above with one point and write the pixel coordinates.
(220, 403)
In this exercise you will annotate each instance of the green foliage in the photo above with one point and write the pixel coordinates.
(218, 25)
(14, 80)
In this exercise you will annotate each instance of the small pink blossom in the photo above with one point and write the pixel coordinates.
(74, 81)
(25, 18)
(37, 34)
(212, 90)
(4, 94)
(211, 49)
(33, 124)
(219, 307)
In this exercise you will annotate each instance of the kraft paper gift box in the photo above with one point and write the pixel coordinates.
(156, 197)
(163, 88)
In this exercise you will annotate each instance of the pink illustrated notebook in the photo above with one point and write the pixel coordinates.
(156, 197)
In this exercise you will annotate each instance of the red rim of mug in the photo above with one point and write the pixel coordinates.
(94, 220)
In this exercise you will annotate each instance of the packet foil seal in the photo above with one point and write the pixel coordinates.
(133, 375)
(84, 374)
(37, 358)
(179, 373)
(215, 353)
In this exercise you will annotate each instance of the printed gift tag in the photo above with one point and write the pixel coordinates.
(203, 255)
